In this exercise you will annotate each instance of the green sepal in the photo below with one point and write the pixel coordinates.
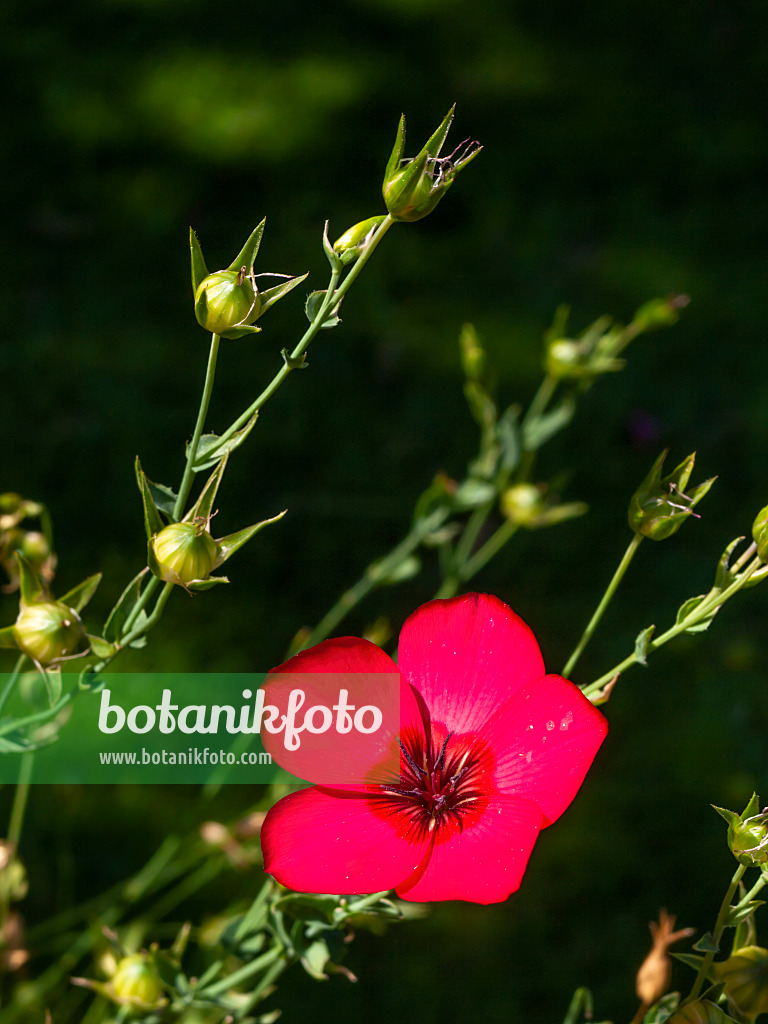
(689, 959)
(247, 255)
(228, 545)
(152, 522)
(79, 596)
(8, 637)
(333, 259)
(731, 817)
(752, 808)
(314, 304)
(32, 588)
(199, 269)
(393, 164)
(240, 332)
(294, 362)
(210, 449)
(271, 295)
(736, 915)
(642, 642)
(163, 497)
(203, 507)
(122, 610)
(724, 576)
(101, 648)
(197, 586)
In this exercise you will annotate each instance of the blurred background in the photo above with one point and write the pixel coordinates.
(625, 157)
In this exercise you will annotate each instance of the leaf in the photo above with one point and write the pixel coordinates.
(508, 434)
(211, 447)
(122, 610)
(724, 576)
(406, 570)
(18, 743)
(687, 609)
(101, 647)
(539, 430)
(228, 545)
(474, 493)
(738, 914)
(199, 269)
(164, 498)
(152, 522)
(663, 1009)
(316, 956)
(689, 959)
(79, 596)
(312, 308)
(53, 684)
(706, 944)
(198, 586)
(8, 637)
(247, 255)
(642, 642)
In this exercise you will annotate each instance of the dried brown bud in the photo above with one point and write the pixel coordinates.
(654, 974)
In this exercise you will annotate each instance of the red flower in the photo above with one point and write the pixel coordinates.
(493, 750)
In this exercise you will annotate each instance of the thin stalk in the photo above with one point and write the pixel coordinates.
(333, 297)
(20, 796)
(13, 678)
(717, 934)
(541, 399)
(714, 599)
(471, 566)
(194, 444)
(243, 973)
(586, 636)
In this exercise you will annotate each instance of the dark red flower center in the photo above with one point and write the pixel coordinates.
(443, 787)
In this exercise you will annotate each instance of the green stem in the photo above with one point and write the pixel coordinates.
(372, 577)
(586, 636)
(333, 297)
(713, 600)
(717, 934)
(26, 765)
(189, 471)
(756, 888)
(140, 605)
(541, 399)
(471, 566)
(243, 973)
(13, 678)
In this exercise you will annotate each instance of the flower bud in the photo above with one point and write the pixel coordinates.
(700, 1011)
(136, 980)
(226, 301)
(182, 553)
(760, 534)
(747, 833)
(523, 505)
(48, 631)
(660, 312)
(745, 974)
(353, 243)
(660, 506)
(413, 188)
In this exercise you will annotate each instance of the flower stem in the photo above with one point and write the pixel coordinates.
(333, 297)
(472, 565)
(717, 934)
(586, 636)
(13, 678)
(26, 765)
(194, 444)
(711, 603)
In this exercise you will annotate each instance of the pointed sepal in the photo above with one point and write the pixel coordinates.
(271, 295)
(79, 596)
(8, 637)
(228, 545)
(32, 588)
(247, 255)
(152, 521)
(203, 507)
(199, 269)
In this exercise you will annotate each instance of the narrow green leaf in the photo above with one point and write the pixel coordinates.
(79, 596)
(199, 269)
(101, 648)
(271, 295)
(18, 743)
(228, 545)
(406, 570)
(473, 493)
(642, 641)
(724, 576)
(125, 605)
(542, 428)
(247, 255)
(689, 959)
(736, 915)
(211, 448)
(163, 497)
(152, 522)
(706, 944)
(198, 586)
(313, 306)
(687, 610)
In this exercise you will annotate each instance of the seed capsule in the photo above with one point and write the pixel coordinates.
(48, 631)
(183, 553)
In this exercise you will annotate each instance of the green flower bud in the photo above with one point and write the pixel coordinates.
(523, 505)
(760, 534)
(182, 553)
(660, 506)
(413, 188)
(700, 1011)
(226, 301)
(745, 974)
(353, 243)
(48, 631)
(747, 833)
(136, 980)
(660, 312)
(35, 548)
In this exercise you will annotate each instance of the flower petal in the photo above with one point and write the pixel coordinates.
(466, 656)
(485, 862)
(544, 739)
(319, 840)
(344, 654)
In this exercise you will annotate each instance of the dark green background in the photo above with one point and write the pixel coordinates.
(625, 157)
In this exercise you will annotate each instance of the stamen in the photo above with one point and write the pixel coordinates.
(441, 756)
(409, 759)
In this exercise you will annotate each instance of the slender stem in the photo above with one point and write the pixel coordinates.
(26, 765)
(717, 934)
(372, 577)
(714, 599)
(541, 399)
(586, 636)
(756, 888)
(151, 587)
(189, 471)
(333, 297)
(13, 678)
(243, 973)
(471, 566)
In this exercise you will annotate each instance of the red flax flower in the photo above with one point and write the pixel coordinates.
(492, 751)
